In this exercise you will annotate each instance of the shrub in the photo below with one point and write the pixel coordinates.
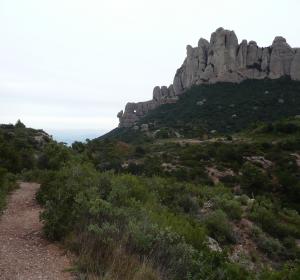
(279, 223)
(229, 205)
(243, 199)
(233, 209)
(219, 227)
(107, 218)
(290, 271)
(19, 124)
(7, 184)
(271, 246)
(253, 179)
(54, 156)
(193, 232)
(288, 128)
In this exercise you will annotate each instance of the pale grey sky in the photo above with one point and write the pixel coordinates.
(73, 64)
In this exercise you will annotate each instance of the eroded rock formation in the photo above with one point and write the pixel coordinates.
(222, 59)
(134, 111)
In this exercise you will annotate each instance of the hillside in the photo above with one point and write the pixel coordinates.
(241, 189)
(159, 205)
(228, 157)
(220, 108)
(228, 107)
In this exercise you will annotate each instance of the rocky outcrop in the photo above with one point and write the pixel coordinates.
(222, 59)
(281, 58)
(295, 67)
(134, 111)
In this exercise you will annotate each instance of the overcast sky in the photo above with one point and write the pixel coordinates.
(73, 64)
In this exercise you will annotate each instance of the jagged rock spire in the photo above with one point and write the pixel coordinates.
(222, 59)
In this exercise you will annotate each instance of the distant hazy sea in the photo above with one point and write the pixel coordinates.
(69, 136)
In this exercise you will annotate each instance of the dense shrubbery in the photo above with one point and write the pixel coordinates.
(18, 152)
(291, 271)
(154, 224)
(219, 227)
(151, 218)
(53, 156)
(230, 107)
(276, 221)
(254, 179)
(260, 184)
(7, 184)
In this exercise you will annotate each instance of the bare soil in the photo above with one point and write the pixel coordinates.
(24, 252)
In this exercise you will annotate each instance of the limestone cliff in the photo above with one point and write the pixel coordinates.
(223, 59)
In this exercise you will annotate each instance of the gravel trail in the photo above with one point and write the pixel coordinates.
(24, 252)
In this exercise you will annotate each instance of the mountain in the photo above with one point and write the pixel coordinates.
(222, 59)
(222, 108)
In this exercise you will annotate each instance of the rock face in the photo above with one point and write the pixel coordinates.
(134, 111)
(281, 58)
(223, 59)
(295, 67)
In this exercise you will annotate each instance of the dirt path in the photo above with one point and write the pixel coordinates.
(24, 253)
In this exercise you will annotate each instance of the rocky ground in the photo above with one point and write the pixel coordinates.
(24, 253)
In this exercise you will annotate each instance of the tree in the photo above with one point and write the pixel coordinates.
(19, 124)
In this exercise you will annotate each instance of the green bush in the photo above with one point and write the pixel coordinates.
(193, 233)
(7, 184)
(254, 180)
(54, 156)
(289, 128)
(219, 227)
(271, 246)
(290, 271)
(278, 222)
(97, 214)
(229, 205)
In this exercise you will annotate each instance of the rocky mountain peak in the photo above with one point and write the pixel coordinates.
(222, 59)
(279, 40)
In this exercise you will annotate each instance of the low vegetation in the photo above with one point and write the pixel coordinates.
(178, 201)
(154, 207)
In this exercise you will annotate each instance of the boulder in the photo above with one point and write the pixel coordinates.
(213, 245)
(144, 127)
